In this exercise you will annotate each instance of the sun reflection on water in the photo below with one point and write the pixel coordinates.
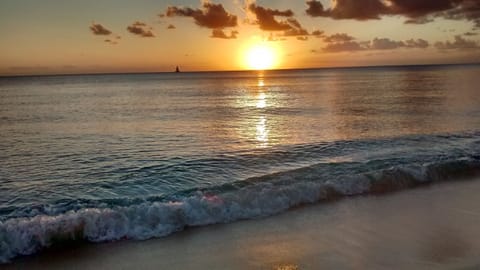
(261, 82)
(262, 131)
(261, 100)
(261, 127)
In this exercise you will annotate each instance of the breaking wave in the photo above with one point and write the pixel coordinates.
(251, 198)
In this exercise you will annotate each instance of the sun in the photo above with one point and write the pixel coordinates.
(260, 56)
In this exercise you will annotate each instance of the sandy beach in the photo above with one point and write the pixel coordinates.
(433, 227)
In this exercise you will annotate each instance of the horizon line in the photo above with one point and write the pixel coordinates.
(239, 70)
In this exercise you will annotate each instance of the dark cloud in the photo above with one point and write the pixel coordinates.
(420, 20)
(98, 29)
(315, 9)
(140, 29)
(388, 44)
(348, 9)
(385, 44)
(466, 10)
(171, 26)
(459, 43)
(266, 18)
(343, 46)
(342, 42)
(219, 33)
(338, 37)
(470, 34)
(318, 33)
(420, 8)
(212, 16)
(419, 43)
(417, 11)
(296, 29)
(110, 41)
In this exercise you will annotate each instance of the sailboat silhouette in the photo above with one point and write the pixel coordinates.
(177, 70)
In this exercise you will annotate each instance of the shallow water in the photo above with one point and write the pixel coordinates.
(426, 228)
(143, 155)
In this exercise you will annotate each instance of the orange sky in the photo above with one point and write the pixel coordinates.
(53, 36)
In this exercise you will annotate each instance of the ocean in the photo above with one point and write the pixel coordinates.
(137, 156)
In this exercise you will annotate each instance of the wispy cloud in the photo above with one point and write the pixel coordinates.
(98, 29)
(266, 18)
(459, 43)
(110, 41)
(140, 29)
(219, 33)
(342, 42)
(417, 11)
(213, 16)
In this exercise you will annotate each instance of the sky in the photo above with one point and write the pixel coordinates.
(106, 36)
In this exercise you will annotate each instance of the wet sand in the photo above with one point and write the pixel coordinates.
(435, 227)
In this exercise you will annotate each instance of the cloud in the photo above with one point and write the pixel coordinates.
(296, 29)
(459, 43)
(342, 42)
(271, 37)
(343, 46)
(420, 20)
(315, 9)
(219, 33)
(266, 18)
(470, 34)
(419, 43)
(171, 26)
(348, 9)
(388, 44)
(213, 16)
(338, 37)
(416, 8)
(140, 29)
(318, 33)
(110, 41)
(385, 44)
(466, 10)
(417, 11)
(98, 29)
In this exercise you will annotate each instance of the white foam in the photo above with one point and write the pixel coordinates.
(23, 236)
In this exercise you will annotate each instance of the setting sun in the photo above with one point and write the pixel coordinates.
(260, 57)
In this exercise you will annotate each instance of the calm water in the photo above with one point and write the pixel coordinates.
(104, 157)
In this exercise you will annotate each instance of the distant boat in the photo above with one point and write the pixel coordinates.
(177, 70)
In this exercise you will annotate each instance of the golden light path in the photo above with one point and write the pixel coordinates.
(262, 129)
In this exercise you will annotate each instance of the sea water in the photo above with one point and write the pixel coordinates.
(136, 156)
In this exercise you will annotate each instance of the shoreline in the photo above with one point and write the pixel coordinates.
(428, 227)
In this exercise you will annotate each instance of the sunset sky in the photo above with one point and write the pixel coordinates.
(58, 36)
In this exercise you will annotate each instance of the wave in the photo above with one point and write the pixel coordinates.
(251, 198)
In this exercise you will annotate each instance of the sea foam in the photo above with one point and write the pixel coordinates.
(256, 197)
